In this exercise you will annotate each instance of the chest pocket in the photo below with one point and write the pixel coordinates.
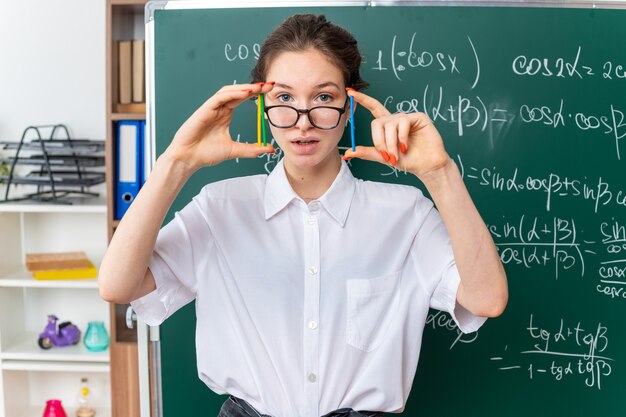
(372, 306)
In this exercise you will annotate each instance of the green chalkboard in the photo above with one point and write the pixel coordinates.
(530, 103)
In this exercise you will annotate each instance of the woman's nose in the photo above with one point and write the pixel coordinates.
(303, 122)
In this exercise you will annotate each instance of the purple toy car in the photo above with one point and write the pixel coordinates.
(67, 334)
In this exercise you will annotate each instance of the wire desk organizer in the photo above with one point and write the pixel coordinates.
(64, 165)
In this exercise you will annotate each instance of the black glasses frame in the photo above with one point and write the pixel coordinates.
(300, 112)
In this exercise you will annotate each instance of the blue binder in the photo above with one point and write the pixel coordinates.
(144, 154)
(129, 165)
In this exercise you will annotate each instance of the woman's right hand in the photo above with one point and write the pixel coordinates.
(204, 139)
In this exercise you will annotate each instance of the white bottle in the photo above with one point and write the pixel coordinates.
(83, 408)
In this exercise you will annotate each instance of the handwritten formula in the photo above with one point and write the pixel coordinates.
(561, 350)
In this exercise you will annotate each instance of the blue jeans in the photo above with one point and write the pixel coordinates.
(236, 407)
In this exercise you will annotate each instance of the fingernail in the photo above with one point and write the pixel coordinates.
(350, 89)
(271, 82)
(247, 91)
(393, 160)
(402, 148)
(261, 83)
(385, 156)
(347, 158)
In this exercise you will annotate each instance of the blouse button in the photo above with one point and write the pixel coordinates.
(313, 270)
(312, 377)
(312, 325)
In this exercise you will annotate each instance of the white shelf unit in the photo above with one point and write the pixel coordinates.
(24, 390)
(29, 375)
(21, 278)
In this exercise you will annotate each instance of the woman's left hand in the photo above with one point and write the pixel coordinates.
(407, 141)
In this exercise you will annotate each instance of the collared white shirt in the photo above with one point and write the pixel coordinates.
(303, 309)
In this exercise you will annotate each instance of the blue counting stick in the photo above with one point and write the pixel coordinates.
(352, 123)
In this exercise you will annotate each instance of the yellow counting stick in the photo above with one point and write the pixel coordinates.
(262, 119)
(258, 119)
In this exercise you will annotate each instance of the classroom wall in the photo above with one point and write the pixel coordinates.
(52, 66)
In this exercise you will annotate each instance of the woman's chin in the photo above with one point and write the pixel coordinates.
(317, 161)
(303, 161)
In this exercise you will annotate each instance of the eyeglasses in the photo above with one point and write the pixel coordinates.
(321, 117)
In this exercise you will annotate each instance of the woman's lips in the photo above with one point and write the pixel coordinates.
(304, 145)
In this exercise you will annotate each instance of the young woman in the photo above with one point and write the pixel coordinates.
(312, 287)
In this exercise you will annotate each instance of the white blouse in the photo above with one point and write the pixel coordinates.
(303, 309)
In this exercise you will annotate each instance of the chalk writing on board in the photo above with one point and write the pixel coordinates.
(562, 351)
(611, 123)
(467, 112)
(463, 111)
(609, 71)
(440, 320)
(613, 232)
(554, 242)
(533, 242)
(241, 52)
(608, 285)
(570, 67)
(612, 269)
(552, 67)
(597, 191)
(405, 55)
